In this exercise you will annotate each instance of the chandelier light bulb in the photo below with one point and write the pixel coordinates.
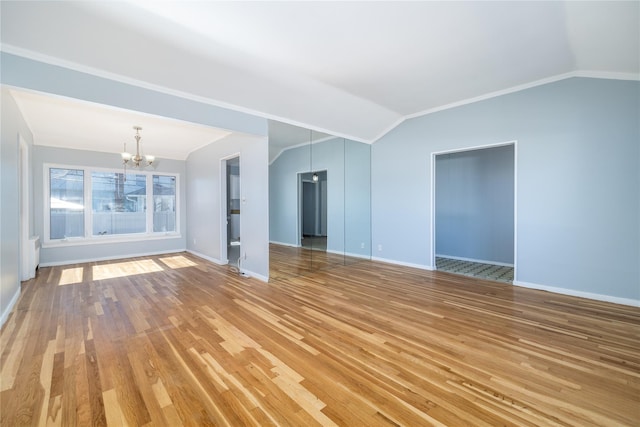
(136, 160)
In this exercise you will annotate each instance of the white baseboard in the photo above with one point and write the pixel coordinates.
(481, 261)
(405, 264)
(110, 258)
(208, 258)
(249, 273)
(574, 293)
(284, 244)
(349, 254)
(9, 308)
(257, 276)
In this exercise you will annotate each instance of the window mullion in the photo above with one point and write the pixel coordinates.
(149, 203)
(47, 203)
(88, 204)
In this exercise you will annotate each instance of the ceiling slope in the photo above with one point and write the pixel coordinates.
(353, 69)
(63, 122)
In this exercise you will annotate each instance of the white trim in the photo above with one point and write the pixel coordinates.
(115, 108)
(88, 238)
(10, 306)
(515, 208)
(206, 257)
(302, 144)
(432, 212)
(224, 253)
(515, 195)
(518, 88)
(39, 57)
(246, 273)
(329, 251)
(301, 182)
(475, 147)
(482, 261)
(74, 66)
(349, 254)
(390, 128)
(608, 75)
(249, 273)
(307, 143)
(110, 258)
(581, 294)
(150, 205)
(359, 256)
(299, 188)
(222, 206)
(87, 186)
(291, 245)
(402, 263)
(114, 238)
(24, 180)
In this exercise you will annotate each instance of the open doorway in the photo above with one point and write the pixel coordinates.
(474, 215)
(231, 250)
(313, 210)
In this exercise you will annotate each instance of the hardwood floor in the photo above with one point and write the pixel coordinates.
(288, 261)
(175, 340)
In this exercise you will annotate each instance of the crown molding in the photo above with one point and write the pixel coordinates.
(209, 101)
(518, 88)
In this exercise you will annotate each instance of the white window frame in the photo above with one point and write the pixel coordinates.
(88, 238)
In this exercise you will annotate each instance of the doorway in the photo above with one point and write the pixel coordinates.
(232, 197)
(474, 211)
(313, 210)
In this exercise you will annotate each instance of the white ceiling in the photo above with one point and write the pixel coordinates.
(353, 69)
(283, 136)
(63, 122)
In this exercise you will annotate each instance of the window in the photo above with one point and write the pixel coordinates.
(66, 203)
(119, 203)
(164, 203)
(88, 205)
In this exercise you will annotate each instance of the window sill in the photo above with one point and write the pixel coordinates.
(99, 240)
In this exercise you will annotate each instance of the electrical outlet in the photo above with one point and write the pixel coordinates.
(244, 256)
(194, 241)
(380, 248)
(362, 245)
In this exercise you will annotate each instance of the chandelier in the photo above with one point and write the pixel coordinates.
(137, 160)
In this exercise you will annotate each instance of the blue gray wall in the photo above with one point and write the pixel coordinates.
(205, 202)
(283, 194)
(578, 175)
(30, 74)
(283, 190)
(474, 204)
(13, 125)
(357, 199)
(578, 182)
(348, 166)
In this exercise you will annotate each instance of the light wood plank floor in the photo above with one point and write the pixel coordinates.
(175, 340)
(288, 261)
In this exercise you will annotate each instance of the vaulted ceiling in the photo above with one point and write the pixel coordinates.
(353, 69)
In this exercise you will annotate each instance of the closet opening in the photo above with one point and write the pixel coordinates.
(313, 231)
(232, 202)
(474, 212)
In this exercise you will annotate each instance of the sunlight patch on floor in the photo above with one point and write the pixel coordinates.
(178, 261)
(69, 276)
(122, 269)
